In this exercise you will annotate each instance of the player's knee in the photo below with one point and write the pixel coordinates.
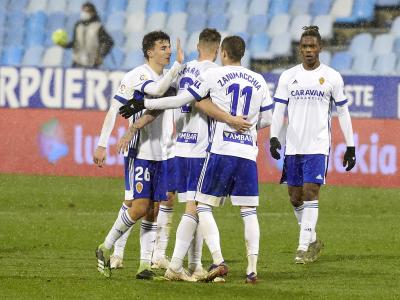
(128, 202)
(170, 200)
(311, 192)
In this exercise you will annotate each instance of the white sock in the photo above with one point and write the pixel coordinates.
(119, 246)
(121, 225)
(164, 221)
(298, 212)
(210, 232)
(148, 233)
(196, 250)
(252, 237)
(308, 223)
(184, 235)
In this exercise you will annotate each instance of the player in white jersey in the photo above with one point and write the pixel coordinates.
(144, 168)
(240, 92)
(308, 90)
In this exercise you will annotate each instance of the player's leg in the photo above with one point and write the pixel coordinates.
(245, 194)
(214, 183)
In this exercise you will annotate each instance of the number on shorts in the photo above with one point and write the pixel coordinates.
(139, 172)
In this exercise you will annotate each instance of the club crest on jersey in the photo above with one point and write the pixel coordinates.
(187, 137)
(321, 80)
(139, 187)
(238, 138)
(143, 77)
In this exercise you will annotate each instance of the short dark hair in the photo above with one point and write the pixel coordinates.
(311, 30)
(150, 39)
(234, 46)
(210, 35)
(90, 6)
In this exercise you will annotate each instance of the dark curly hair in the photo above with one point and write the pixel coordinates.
(149, 40)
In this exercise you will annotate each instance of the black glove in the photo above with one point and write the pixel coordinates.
(274, 147)
(349, 158)
(132, 107)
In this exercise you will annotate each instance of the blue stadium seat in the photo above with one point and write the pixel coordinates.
(12, 56)
(55, 21)
(325, 57)
(37, 20)
(116, 21)
(17, 5)
(320, 7)
(15, 37)
(216, 7)
(383, 44)
(34, 38)
(396, 46)
(299, 7)
(217, 21)
(238, 23)
(257, 23)
(2, 18)
(156, 21)
(191, 56)
(278, 7)
(395, 27)
(133, 59)
(67, 58)
(245, 36)
(3, 6)
(342, 61)
(137, 6)
(385, 64)
(58, 6)
(175, 6)
(297, 24)
(196, 22)
(237, 7)
(33, 56)
(15, 19)
(325, 24)
(363, 10)
(118, 37)
(387, 3)
(177, 22)
(154, 6)
(259, 43)
(360, 43)
(74, 6)
(363, 63)
(258, 7)
(2, 36)
(115, 59)
(197, 7)
(116, 5)
(70, 23)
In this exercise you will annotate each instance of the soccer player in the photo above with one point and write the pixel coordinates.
(144, 161)
(308, 90)
(239, 92)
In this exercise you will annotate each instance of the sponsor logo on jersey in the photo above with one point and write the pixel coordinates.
(238, 138)
(187, 137)
(294, 82)
(321, 80)
(139, 187)
(306, 93)
(143, 77)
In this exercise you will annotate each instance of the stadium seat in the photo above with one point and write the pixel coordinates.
(175, 6)
(216, 7)
(299, 7)
(320, 7)
(181, 35)
(383, 44)
(37, 20)
(385, 64)
(196, 22)
(2, 18)
(238, 23)
(33, 56)
(280, 46)
(196, 7)
(325, 25)
(34, 38)
(297, 24)
(35, 5)
(362, 10)
(342, 61)
(258, 7)
(115, 59)
(342, 8)
(57, 6)
(361, 43)
(259, 44)
(136, 6)
(55, 21)
(156, 21)
(19, 5)
(14, 37)
(279, 25)
(191, 44)
(217, 21)
(74, 6)
(278, 7)
(70, 23)
(395, 28)
(156, 6)
(236, 7)
(396, 46)
(15, 19)
(53, 57)
(363, 63)
(119, 38)
(116, 5)
(3, 6)
(387, 3)
(257, 23)
(133, 59)
(67, 58)
(116, 21)
(325, 57)
(177, 21)
(134, 40)
(191, 56)
(12, 56)
(245, 36)
(135, 22)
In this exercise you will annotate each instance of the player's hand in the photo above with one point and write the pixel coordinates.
(275, 145)
(132, 107)
(349, 158)
(180, 56)
(99, 156)
(239, 123)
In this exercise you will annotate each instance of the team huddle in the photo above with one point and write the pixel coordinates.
(192, 132)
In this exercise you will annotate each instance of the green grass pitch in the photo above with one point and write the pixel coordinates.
(50, 227)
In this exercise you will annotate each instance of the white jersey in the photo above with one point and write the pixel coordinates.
(309, 96)
(240, 92)
(152, 140)
(191, 124)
